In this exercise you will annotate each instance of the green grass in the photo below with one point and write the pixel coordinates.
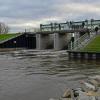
(4, 37)
(93, 46)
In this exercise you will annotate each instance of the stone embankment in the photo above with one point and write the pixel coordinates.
(89, 90)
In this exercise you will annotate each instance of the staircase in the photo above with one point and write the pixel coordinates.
(82, 41)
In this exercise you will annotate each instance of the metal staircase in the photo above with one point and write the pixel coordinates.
(81, 42)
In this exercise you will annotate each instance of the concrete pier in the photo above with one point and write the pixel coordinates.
(54, 41)
(60, 41)
(43, 41)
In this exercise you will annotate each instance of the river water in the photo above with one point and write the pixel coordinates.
(40, 75)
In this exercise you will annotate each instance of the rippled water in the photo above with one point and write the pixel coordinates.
(40, 75)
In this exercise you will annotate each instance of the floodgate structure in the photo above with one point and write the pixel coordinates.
(69, 35)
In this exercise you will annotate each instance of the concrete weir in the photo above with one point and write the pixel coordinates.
(54, 41)
(60, 41)
(44, 41)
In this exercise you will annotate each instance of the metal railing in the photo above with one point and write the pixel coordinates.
(82, 41)
(70, 25)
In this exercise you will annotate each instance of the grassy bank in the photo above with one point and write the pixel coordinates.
(93, 46)
(4, 37)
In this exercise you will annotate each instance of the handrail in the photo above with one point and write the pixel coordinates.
(81, 42)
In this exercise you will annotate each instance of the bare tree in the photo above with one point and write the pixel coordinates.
(3, 28)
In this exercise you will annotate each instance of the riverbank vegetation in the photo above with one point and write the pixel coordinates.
(4, 37)
(93, 46)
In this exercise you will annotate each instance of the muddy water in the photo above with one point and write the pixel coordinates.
(40, 75)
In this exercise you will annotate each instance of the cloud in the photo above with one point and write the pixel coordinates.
(21, 14)
(79, 8)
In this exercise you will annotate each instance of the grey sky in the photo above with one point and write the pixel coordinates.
(21, 14)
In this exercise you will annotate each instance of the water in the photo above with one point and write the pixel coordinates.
(40, 75)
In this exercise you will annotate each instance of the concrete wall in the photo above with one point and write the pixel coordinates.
(55, 41)
(23, 41)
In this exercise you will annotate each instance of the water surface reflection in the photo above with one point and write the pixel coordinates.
(39, 75)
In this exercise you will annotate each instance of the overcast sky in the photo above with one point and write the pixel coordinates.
(21, 14)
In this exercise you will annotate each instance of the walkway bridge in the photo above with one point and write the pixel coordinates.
(58, 35)
(69, 27)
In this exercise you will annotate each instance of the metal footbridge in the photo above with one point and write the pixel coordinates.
(68, 27)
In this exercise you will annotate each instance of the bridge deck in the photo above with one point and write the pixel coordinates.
(63, 31)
